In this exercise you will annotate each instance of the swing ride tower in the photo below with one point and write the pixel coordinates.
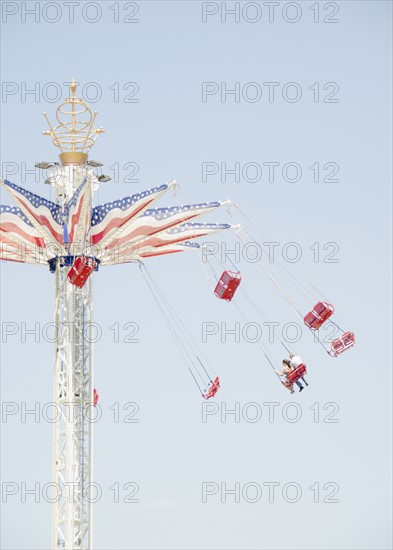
(73, 238)
(73, 389)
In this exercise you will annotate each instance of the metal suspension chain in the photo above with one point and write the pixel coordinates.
(262, 346)
(274, 281)
(260, 343)
(316, 292)
(193, 345)
(249, 299)
(175, 325)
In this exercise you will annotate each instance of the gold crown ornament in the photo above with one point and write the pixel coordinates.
(75, 133)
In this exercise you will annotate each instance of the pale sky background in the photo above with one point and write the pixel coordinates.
(169, 133)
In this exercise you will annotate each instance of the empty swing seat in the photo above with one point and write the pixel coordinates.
(294, 375)
(81, 270)
(340, 345)
(227, 285)
(319, 314)
(213, 388)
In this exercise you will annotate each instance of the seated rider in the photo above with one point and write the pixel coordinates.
(295, 362)
(285, 371)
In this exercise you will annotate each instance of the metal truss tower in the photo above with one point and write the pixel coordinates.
(73, 395)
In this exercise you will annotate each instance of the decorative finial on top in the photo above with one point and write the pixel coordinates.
(75, 133)
(73, 86)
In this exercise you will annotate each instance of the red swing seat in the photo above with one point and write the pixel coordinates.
(213, 388)
(227, 285)
(81, 270)
(319, 314)
(294, 375)
(340, 345)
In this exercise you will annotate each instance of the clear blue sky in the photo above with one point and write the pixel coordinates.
(169, 133)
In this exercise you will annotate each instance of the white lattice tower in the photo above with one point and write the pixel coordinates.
(74, 398)
(73, 392)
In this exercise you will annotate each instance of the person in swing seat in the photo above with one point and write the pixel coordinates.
(285, 371)
(295, 361)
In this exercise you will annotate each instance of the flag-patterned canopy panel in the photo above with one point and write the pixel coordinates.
(44, 215)
(121, 231)
(77, 213)
(19, 240)
(164, 242)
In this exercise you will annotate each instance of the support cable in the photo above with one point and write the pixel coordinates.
(176, 326)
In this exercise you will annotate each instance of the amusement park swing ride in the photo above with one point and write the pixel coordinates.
(74, 239)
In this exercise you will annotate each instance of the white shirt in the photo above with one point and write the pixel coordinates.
(296, 361)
